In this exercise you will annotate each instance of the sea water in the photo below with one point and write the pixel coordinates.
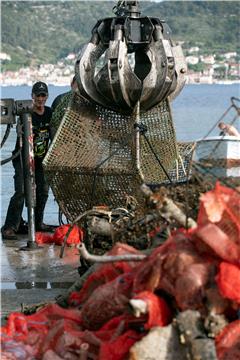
(195, 111)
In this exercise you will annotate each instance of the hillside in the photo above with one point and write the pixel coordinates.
(35, 32)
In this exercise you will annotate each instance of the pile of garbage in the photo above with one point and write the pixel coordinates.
(181, 301)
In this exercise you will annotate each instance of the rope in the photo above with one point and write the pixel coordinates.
(5, 161)
(14, 156)
(237, 108)
(142, 129)
(7, 132)
(60, 217)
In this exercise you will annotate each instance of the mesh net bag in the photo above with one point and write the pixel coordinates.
(222, 207)
(98, 156)
(60, 109)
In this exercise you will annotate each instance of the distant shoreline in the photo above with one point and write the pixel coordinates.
(30, 84)
(217, 82)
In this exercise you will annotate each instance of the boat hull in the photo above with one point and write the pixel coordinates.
(219, 156)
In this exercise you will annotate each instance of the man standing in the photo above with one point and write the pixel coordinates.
(227, 129)
(41, 117)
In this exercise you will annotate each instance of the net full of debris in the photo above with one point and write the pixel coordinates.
(178, 299)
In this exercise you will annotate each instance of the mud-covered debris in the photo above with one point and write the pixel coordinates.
(161, 343)
(193, 335)
(214, 323)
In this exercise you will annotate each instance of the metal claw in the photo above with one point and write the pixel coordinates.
(159, 68)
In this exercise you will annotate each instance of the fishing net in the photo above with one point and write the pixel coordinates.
(221, 206)
(99, 156)
(60, 110)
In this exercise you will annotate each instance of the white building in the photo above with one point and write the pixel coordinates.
(210, 59)
(193, 49)
(193, 60)
(230, 55)
(71, 56)
(4, 56)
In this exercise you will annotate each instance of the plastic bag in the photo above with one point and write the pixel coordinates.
(228, 280)
(228, 342)
(74, 237)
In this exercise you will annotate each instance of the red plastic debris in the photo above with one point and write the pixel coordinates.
(104, 273)
(192, 268)
(159, 314)
(43, 238)
(228, 342)
(228, 281)
(75, 236)
(217, 243)
(119, 348)
(221, 206)
(107, 301)
(17, 326)
(32, 331)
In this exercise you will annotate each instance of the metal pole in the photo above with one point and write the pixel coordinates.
(137, 139)
(29, 177)
(137, 123)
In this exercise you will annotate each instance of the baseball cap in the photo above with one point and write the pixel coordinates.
(40, 88)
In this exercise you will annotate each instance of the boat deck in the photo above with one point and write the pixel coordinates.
(35, 276)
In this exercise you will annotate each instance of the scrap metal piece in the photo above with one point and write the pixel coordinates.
(99, 226)
(108, 258)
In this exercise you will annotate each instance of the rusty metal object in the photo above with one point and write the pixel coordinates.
(99, 226)
(108, 258)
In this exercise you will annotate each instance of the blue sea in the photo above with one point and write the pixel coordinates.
(195, 111)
